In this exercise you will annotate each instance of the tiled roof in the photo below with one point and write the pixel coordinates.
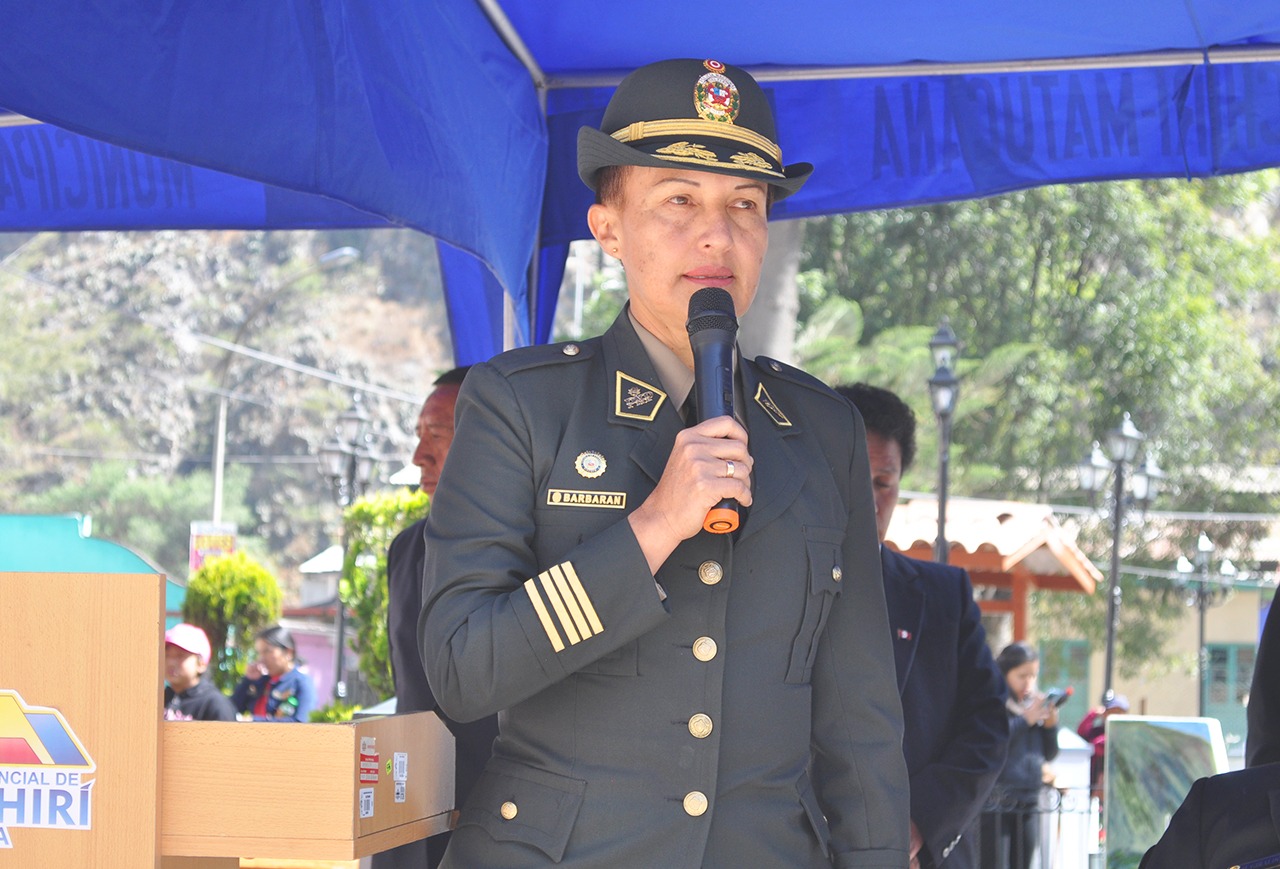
(995, 541)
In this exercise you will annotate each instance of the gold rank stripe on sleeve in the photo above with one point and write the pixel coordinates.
(570, 612)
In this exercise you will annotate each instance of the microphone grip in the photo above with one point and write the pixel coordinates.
(722, 518)
(713, 385)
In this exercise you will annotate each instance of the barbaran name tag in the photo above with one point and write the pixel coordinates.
(581, 498)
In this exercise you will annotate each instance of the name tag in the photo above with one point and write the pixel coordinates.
(583, 498)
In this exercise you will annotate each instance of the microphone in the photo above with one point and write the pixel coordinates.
(712, 326)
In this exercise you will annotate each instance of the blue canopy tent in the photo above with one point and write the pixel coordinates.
(458, 117)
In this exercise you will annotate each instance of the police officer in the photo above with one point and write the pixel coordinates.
(666, 696)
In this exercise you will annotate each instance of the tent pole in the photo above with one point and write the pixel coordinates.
(502, 24)
(1229, 54)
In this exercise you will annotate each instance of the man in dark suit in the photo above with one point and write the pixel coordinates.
(474, 741)
(667, 696)
(953, 695)
(1233, 819)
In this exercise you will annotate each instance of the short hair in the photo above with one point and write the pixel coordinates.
(1014, 655)
(885, 414)
(609, 184)
(452, 376)
(278, 636)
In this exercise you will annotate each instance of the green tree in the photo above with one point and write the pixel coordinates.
(370, 525)
(232, 597)
(150, 514)
(1074, 304)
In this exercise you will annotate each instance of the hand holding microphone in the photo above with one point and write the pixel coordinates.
(709, 465)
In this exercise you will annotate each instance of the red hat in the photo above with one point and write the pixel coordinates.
(189, 638)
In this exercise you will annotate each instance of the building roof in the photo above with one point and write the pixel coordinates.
(996, 541)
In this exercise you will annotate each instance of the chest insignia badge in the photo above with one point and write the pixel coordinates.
(775, 413)
(590, 464)
(635, 399)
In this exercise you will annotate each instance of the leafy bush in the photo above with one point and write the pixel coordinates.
(232, 597)
(371, 524)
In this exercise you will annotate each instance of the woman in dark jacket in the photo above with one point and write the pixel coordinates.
(273, 689)
(1010, 831)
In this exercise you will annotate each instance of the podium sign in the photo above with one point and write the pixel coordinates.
(92, 778)
(83, 652)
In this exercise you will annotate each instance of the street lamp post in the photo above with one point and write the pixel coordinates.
(1202, 593)
(337, 258)
(1122, 449)
(944, 390)
(347, 459)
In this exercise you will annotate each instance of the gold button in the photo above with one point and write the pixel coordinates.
(704, 648)
(700, 726)
(836, 573)
(710, 572)
(695, 803)
(509, 810)
(572, 350)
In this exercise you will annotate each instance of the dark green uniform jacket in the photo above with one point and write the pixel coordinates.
(749, 719)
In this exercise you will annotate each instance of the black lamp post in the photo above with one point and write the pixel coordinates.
(944, 390)
(347, 460)
(1204, 591)
(1122, 449)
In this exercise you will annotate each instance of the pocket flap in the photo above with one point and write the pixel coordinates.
(517, 803)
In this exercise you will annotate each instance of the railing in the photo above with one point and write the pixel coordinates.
(1045, 829)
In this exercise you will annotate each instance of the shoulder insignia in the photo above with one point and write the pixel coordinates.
(539, 355)
(765, 400)
(794, 375)
(635, 399)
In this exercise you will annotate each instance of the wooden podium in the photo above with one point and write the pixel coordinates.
(90, 776)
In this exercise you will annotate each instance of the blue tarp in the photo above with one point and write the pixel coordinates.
(458, 117)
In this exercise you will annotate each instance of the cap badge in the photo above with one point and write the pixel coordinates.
(590, 464)
(751, 160)
(716, 98)
(685, 149)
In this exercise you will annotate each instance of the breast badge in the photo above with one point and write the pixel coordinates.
(590, 464)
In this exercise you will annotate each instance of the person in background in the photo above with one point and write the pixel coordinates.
(1233, 819)
(1262, 743)
(1011, 832)
(473, 741)
(953, 694)
(1093, 730)
(667, 696)
(273, 688)
(187, 696)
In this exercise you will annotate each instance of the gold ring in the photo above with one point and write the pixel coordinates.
(728, 468)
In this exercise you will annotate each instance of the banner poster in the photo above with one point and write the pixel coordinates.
(210, 539)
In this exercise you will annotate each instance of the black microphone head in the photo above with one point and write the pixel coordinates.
(711, 308)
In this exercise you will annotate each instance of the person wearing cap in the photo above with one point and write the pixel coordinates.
(273, 688)
(187, 697)
(666, 696)
(1093, 730)
(953, 695)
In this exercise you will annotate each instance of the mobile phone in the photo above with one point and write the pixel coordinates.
(1057, 696)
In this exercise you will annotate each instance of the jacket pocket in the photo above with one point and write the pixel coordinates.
(620, 662)
(823, 546)
(517, 803)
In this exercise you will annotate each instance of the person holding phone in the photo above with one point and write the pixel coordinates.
(1012, 830)
(273, 688)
